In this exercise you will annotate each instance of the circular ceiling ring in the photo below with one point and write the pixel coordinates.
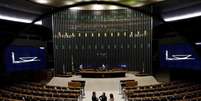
(151, 14)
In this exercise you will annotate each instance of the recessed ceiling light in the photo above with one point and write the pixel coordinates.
(42, 1)
(159, 0)
(198, 43)
(183, 16)
(42, 47)
(139, 4)
(38, 22)
(97, 7)
(9, 18)
(75, 8)
(69, 2)
(113, 7)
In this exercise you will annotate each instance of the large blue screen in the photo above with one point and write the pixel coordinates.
(180, 56)
(18, 58)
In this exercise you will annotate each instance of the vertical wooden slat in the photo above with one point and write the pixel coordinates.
(119, 49)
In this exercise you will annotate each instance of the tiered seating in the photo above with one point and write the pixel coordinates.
(39, 92)
(74, 85)
(178, 90)
(126, 84)
(7, 99)
(82, 85)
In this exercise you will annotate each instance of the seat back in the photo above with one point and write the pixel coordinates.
(74, 85)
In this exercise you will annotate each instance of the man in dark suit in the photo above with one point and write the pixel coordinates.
(94, 98)
(103, 97)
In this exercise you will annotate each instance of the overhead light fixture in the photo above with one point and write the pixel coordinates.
(75, 8)
(42, 47)
(97, 7)
(3, 17)
(139, 4)
(77, 0)
(181, 17)
(69, 2)
(38, 22)
(113, 7)
(198, 43)
(159, 0)
(42, 1)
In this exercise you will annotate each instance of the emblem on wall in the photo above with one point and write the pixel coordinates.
(177, 57)
(23, 59)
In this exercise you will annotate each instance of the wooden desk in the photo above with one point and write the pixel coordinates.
(102, 74)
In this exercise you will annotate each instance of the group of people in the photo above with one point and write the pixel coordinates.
(103, 97)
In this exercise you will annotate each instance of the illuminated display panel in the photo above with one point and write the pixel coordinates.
(179, 56)
(18, 58)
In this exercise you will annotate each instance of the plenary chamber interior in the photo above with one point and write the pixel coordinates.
(100, 50)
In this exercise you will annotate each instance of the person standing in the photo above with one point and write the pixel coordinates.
(94, 98)
(103, 97)
(111, 97)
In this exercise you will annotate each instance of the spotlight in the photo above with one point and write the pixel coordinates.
(113, 7)
(97, 7)
(183, 16)
(42, 1)
(76, 8)
(10, 18)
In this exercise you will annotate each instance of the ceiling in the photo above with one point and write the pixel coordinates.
(60, 3)
(31, 10)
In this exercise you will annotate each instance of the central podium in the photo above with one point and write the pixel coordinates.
(94, 73)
